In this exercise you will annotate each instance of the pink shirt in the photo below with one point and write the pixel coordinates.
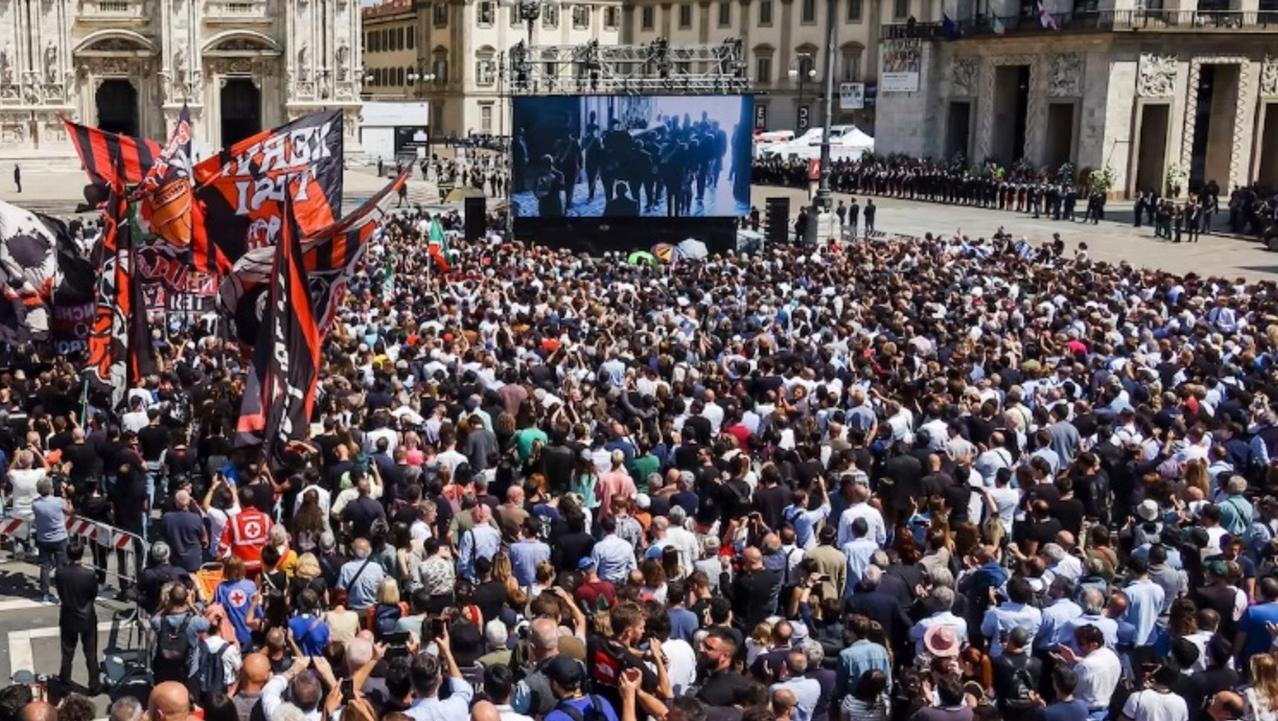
(613, 483)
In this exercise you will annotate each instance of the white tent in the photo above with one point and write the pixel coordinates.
(849, 145)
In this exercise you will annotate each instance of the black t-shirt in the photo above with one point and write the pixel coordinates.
(361, 513)
(263, 496)
(1070, 512)
(85, 463)
(153, 440)
(490, 596)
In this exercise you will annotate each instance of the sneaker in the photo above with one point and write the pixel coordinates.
(49, 599)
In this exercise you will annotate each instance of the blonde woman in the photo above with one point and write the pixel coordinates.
(1262, 695)
(503, 572)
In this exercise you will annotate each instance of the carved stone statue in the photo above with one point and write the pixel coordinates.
(343, 54)
(179, 70)
(963, 76)
(303, 61)
(6, 65)
(1269, 76)
(1066, 80)
(1156, 75)
(51, 62)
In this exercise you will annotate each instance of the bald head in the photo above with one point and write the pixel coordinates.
(484, 711)
(38, 711)
(170, 701)
(256, 671)
(753, 557)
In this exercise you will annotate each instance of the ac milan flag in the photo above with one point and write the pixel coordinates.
(110, 157)
(164, 195)
(243, 188)
(37, 257)
(280, 391)
(329, 257)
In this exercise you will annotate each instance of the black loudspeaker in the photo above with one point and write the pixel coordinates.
(476, 218)
(778, 219)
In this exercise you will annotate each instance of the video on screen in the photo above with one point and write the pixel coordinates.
(637, 156)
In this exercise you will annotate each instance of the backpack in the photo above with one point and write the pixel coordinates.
(173, 648)
(211, 675)
(385, 618)
(593, 712)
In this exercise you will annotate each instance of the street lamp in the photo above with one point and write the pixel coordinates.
(528, 11)
(414, 76)
(796, 73)
(823, 202)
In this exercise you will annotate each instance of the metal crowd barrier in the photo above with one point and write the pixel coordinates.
(102, 535)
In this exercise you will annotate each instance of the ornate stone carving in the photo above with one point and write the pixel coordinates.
(303, 62)
(51, 62)
(1156, 75)
(13, 133)
(963, 74)
(1269, 76)
(985, 141)
(1066, 77)
(6, 64)
(343, 56)
(1242, 118)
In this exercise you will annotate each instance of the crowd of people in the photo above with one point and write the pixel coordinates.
(943, 480)
(1249, 210)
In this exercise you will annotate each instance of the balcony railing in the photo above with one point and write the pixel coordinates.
(111, 9)
(1096, 21)
(236, 10)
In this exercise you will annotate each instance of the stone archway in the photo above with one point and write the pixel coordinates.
(119, 88)
(243, 89)
(117, 106)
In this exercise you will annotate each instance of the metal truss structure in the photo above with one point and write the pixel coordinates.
(657, 68)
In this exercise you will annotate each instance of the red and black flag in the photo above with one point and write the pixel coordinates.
(242, 190)
(330, 257)
(280, 392)
(108, 157)
(164, 195)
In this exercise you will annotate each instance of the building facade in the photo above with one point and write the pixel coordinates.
(778, 36)
(455, 60)
(390, 51)
(1168, 98)
(129, 65)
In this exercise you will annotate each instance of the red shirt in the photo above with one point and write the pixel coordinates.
(246, 534)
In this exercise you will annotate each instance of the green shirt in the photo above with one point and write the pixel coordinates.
(641, 467)
(525, 438)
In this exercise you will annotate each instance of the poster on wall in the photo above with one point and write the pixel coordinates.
(900, 67)
(851, 96)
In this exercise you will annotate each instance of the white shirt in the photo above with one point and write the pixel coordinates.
(807, 693)
(1151, 705)
(681, 664)
(872, 517)
(685, 542)
(24, 491)
(1098, 675)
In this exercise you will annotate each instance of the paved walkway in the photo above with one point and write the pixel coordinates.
(1111, 241)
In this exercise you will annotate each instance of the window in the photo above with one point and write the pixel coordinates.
(854, 11)
(806, 55)
(441, 15)
(486, 13)
(550, 16)
(580, 17)
(399, 76)
(647, 17)
(809, 11)
(765, 12)
(440, 66)
(485, 67)
(725, 13)
(851, 63)
(515, 20)
(611, 15)
(685, 16)
(486, 118)
(412, 37)
(399, 39)
(763, 69)
(900, 9)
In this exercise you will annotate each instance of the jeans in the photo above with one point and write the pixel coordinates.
(53, 554)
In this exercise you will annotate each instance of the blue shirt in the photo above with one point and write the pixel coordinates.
(524, 557)
(481, 541)
(311, 634)
(614, 558)
(50, 519)
(194, 628)
(1001, 619)
(855, 660)
(453, 708)
(1054, 616)
(683, 624)
(1075, 710)
(1252, 625)
(581, 704)
(1146, 604)
(237, 597)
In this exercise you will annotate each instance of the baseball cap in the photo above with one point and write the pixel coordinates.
(585, 563)
(565, 671)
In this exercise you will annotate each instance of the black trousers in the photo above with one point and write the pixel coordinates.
(88, 638)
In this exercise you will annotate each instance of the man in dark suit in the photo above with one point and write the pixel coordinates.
(77, 617)
(753, 592)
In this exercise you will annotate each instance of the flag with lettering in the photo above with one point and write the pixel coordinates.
(241, 190)
(280, 391)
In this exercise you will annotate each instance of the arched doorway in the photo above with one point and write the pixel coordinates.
(241, 110)
(117, 102)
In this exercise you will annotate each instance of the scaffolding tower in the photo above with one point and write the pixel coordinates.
(657, 68)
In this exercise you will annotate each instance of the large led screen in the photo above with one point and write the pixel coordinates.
(631, 156)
